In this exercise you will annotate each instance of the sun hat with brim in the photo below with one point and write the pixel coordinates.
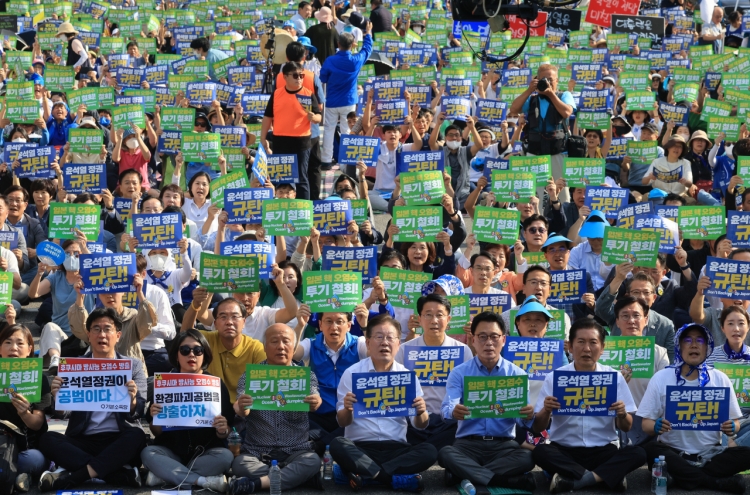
(698, 135)
(675, 141)
(554, 239)
(305, 41)
(593, 227)
(358, 21)
(532, 305)
(88, 121)
(324, 15)
(66, 28)
(650, 126)
(625, 123)
(450, 284)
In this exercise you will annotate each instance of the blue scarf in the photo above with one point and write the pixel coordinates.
(160, 281)
(743, 354)
(703, 376)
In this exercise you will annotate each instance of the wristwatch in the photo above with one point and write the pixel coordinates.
(683, 268)
(554, 202)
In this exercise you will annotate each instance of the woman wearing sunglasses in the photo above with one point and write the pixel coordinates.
(185, 457)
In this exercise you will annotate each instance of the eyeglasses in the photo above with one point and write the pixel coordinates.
(14, 201)
(429, 316)
(388, 338)
(185, 350)
(534, 230)
(297, 75)
(482, 269)
(561, 249)
(535, 282)
(102, 330)
(225, 317)
(641, 293)
(494, 338)
(694, 340)
(628, 317)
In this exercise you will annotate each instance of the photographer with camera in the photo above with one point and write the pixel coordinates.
(547, 115)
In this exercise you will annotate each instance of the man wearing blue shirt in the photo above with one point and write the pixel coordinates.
(485, 451)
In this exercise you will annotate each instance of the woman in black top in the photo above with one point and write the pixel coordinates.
(186, 456)
(22, 421)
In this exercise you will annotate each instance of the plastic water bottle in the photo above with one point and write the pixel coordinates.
(655, 474)
(274, 476)
(663, 462)
(234, 442)
(661, 485)
(327, 465)
(468, 487)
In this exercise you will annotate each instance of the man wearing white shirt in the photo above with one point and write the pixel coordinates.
(153, 345)
(304, 11)
(376, 449)
(434, 317)
(695, 458)
(584, 449)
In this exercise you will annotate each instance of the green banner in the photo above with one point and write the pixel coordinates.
(84, 96)
(85, 140)
(201, 146)
(229, 273)
(715, 108)
(683, 75)
(460, 314)
(582, 172)
(640, 100)
(6, 288)
(233, 180)
(495, 396)
(19, 90)
(22, 111)
(540, 166)
(417, 223)
(593, 120)
(22, 376)
(287, 217)
(730, 126)
(278, 388)
(701, 222)
(639, 247)
(403, 287)
(739, 375)
(64, 217)
(642, 152)
(326, 291)
(148, 95)
(422, 188)
(123, 116)
(496, 225)
(686, 92)
(512, 186)
(634, 354)
(178, 119)
(360, 212)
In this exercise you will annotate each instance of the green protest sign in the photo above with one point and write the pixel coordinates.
(110, 45)
(555, 327)
(278, 388)
(715, 108)
(85, 140)
(177, 119)
(701, 222)
(511, 186)
(201, 146)
(495, 396)
(124, 116)
(686, 92)
(619, 40)
(639, 247)
(540, 166)
(730, 126)
(578, 56)
(593, 120)
(179, 82)
(106, 97)
(130, 28)
(739, 375)
(221, 68)
(460, 314)
(65, 217)
(535, 259)
(642, 152)
(22, 111)
(496, 225)
(84, 96)
(148, 95)
(196, 68)
(640, 100)
(417, 223)
(425, 187)
(403, 287)
(6, 288)
(287, 217)
(326, 291)
(634, 354)
(360, 211)
(20, 375)
(229, 273)
(683, 75)
(233, 180)
(19, 90)
(582, 172)
(736, 97)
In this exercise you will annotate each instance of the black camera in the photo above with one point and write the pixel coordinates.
(543, 84)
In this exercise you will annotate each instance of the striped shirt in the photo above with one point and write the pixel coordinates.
(720, 356)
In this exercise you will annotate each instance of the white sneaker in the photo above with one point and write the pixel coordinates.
(153, 480)
(23, 482)
(216, 483)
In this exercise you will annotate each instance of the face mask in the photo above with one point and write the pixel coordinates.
(728, 150)
(620, 129)
(19, 140)
(453, 145)
(197, 54)
(132, 144)
(158, 262)
(417, 29)
(512, 121)
(71, 263)
(104, 121)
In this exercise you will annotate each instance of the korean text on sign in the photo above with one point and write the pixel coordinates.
(697, 408)
(332, 291)
(107, 273)
(384, 394)
(729, 278)
(630, 354)
(585, 393)
(432, 365)
(187, 399)
(21, 376)
(495, 396)
(278, 388)
(537, 357)
(94, 385)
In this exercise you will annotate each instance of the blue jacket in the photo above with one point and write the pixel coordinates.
(329, 374)
(340, 72)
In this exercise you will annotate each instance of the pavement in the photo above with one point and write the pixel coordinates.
(639, 481)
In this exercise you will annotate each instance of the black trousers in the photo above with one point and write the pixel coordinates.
(313, 168)
(730, 462)
(106, 453)
(391, 457)
(323, 429)
(608, 462)
(439, 432)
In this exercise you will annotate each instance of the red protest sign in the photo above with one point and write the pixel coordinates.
(518, 27)
(600, 11)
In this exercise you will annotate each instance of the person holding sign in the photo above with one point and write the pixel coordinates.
(375, 448)
(485, 451)
(557, 253)
(587, 255)
(673, 172)
(583, 449)
(23, 419)
(641, 286)
(174, 449)
(136, 154)
(277, 435)
(98, 444)
(434, 316)
(693, 457)
(163, 273)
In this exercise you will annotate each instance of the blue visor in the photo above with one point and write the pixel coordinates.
(593, 227)
(532, 305)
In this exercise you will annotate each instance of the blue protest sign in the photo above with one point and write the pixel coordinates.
(537, 357)
(389, 89)
(586, 73)
(418, 161)
(82, 177)
(738, 228)
(618, 149)
(232, 136)
(157, 75)
(201, 93)
(456, 108)
(495, 303)
(585, 393)
(244, 205)
(606, 199)
(231, 96)
(666, 211)
(241, 76)
(491, 112)
(128, 77)
(11, 151)
(107, 273)
(697, 408)
(260, 165)
(98, 248)
(674, 113)
(264, 252)
(516, 78)
(432, 365)
(254, 104)
(331, 217)
(383, 395)
(730, 279)
(355, 148)
(170, 142)
(491, 164)
(567, 287)
(283, 169)
(352, 259)
(392, 112)
(667, 229)
(627, 213)
(595, 100)
(157, 230)
(481, 27)
(35, 162)
(9, 239)
(458, 87)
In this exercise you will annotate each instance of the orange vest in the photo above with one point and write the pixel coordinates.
(289, 117)
(308, 82)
